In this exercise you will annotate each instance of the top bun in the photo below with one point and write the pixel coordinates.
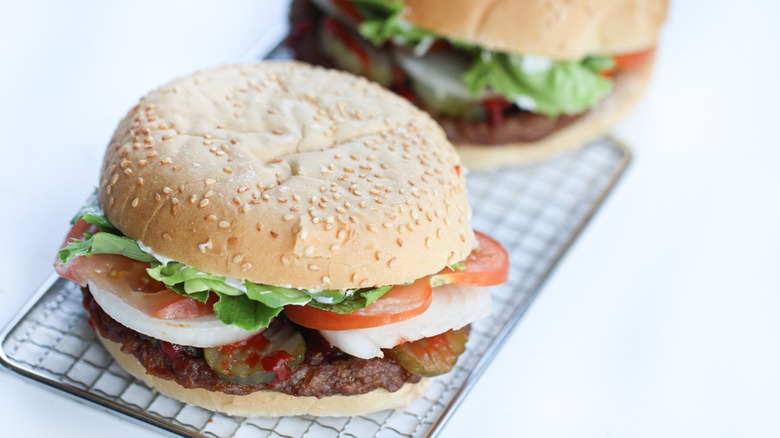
(285, 174)
(557, 29)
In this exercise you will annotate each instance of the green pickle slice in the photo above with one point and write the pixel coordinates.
(269, 356)
(431, 356)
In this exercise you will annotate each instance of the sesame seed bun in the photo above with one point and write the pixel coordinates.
(285, 174)
(562, 30)
(269, 403)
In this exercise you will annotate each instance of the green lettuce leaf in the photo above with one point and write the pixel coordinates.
(383, 20)
(359, 300)
(244, 312)
(104, 243)
(566, 87)
(93, 214)
(241, 303)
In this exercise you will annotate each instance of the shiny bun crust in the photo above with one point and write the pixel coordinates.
(269, 403)
(629, 88)
(287, 174)
(558, 29)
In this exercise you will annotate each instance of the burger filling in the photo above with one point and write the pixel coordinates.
(235, 336)
(479, 96)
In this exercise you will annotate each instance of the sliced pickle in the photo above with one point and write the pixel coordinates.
(269, 356)
(431, 356)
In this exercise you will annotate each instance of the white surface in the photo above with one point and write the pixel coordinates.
(662, 320)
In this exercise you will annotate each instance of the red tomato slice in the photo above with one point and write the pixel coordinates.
(628, 61)
(398, 304)
(128, 279)
(487, 265)
(349, 9)
(76, 232)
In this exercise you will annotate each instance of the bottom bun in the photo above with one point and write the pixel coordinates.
(269, 403)
(629, 88)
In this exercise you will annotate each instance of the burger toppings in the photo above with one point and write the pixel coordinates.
(323, 372)
(432, 356)
(173, 302)
(269, 356)
(452, 306)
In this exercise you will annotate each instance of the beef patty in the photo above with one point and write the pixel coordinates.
(324, 371)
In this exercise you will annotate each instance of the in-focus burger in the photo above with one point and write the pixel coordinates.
(511, 81)
(279, 239)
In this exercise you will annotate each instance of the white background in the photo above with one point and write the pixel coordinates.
(662, 320)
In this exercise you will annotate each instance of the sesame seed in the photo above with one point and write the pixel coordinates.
(224, 224)
(313, 267)
(203, 203)
(211, 217)
(128, 171)
(285, 260)
(237, 200)
(392, 262)
(135, 202)
(399, 241)
(167, 190)
(238, 258)
(167, 237)
(204, 246)
(227, 169)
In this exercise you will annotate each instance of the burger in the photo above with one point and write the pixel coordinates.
(274, 239)
(511, 82)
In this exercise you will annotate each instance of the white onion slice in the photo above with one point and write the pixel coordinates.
(452, 307)
(205, 331)
(440, 72)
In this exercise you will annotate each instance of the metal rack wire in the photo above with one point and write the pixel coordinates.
(536, 212)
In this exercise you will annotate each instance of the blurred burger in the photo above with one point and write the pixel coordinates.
(511, 81)
(278, 239)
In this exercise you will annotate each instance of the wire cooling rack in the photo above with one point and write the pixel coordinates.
(536, 212)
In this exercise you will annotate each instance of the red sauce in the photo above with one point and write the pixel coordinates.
(349, 9)
(495, 107)
(343, 34)
(277, 362)
(257, 341)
